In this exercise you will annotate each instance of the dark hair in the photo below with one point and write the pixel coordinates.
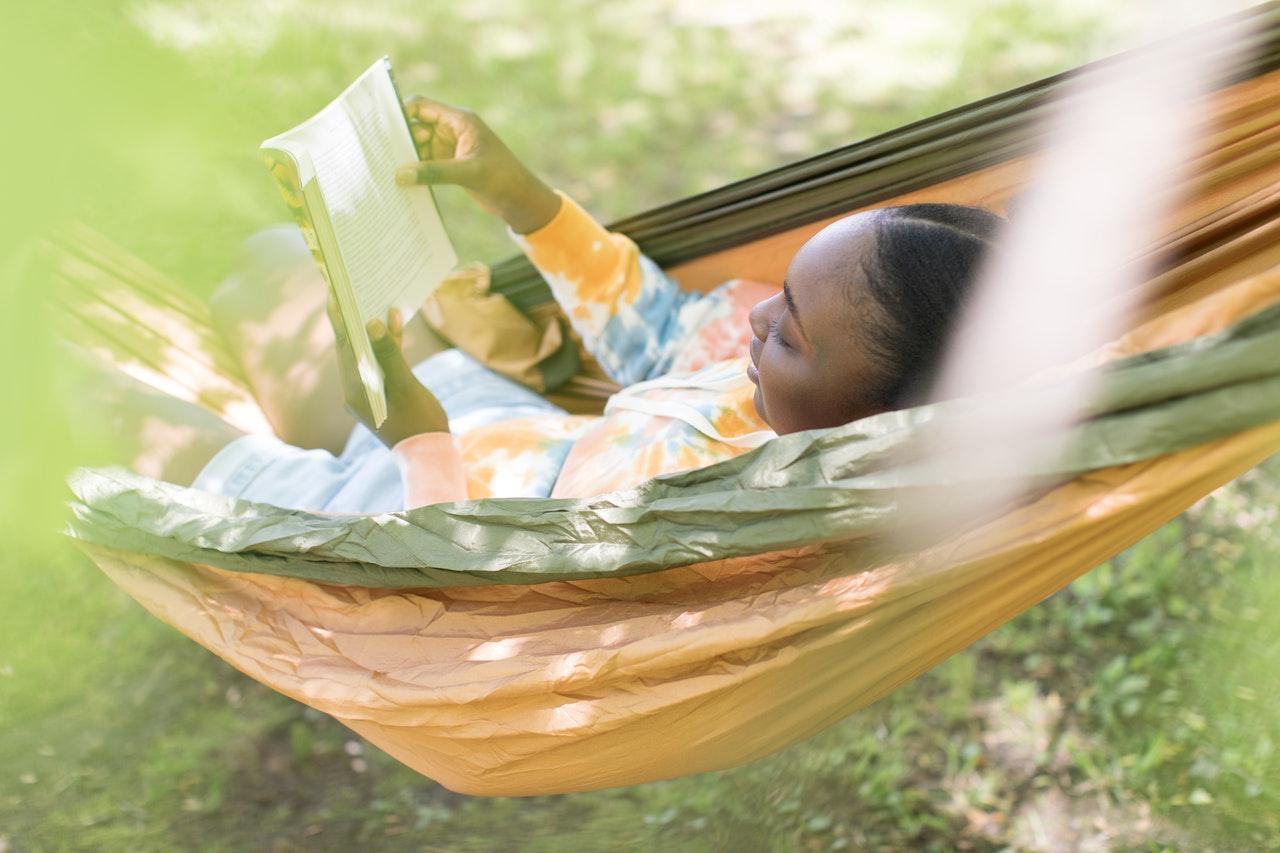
(922, 271)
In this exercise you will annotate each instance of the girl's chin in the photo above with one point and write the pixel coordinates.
(758, 402)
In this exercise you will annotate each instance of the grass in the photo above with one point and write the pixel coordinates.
(1133, 710)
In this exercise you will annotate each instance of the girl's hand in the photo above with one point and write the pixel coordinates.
(456, 147)
(411, 408)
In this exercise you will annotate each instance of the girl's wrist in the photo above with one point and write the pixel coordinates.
(412, 413)
(531, 207)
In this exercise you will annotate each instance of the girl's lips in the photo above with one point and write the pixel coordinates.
(753, 374)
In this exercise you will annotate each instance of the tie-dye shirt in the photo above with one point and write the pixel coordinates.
(681, 357)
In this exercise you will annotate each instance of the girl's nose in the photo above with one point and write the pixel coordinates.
(759, 319)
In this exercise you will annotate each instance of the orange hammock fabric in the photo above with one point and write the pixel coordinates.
(570, 686)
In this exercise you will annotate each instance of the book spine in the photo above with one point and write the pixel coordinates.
(285, 174)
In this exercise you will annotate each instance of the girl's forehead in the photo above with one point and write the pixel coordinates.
(841, 247)
(832, 267)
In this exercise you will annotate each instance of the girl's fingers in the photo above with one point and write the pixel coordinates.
(440, 149)
(425, 109)
(395, 322)
(433, 141)
(386, 349)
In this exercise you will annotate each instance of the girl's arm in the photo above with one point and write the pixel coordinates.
(431, 468)
(631, 316)
(416, 428)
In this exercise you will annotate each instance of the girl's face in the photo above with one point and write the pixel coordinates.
(808, 363)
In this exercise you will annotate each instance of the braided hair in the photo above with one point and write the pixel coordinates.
(921, 273)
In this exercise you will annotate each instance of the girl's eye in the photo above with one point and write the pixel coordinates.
(775, 334)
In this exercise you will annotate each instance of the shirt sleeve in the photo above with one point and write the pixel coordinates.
(632, 317)
(431, 466)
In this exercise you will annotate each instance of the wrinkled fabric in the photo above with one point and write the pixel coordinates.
(605, 680)
(840, 484)
(569, 686)
(533, 351)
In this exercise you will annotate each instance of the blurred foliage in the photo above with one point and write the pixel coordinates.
(1134, 709)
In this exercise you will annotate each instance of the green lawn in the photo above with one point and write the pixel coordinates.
(1134, 710)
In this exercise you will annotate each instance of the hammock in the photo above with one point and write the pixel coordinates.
(708, 618)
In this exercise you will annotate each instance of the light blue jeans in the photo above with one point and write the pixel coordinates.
(364, 478)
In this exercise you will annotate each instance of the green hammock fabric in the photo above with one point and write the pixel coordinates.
(820, 486)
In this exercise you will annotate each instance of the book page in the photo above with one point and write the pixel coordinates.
(384, 245)
(391, 239)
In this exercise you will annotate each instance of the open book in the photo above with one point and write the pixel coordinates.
(379, 245)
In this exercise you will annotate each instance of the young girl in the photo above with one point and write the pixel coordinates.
(857, 328)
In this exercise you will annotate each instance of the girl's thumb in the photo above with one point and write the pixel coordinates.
(387, 352)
